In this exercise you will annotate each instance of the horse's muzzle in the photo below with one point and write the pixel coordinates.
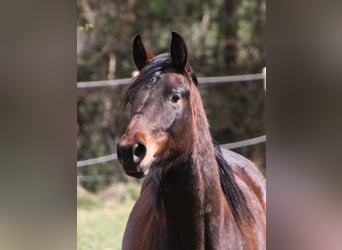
(130, 157)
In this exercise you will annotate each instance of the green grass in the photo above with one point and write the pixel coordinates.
(102, 218)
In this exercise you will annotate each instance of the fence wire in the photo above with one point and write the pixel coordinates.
(201, 80)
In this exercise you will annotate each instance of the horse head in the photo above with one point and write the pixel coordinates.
(161, 113)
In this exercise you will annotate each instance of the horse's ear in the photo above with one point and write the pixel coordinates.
(141, 55)
(179, 53)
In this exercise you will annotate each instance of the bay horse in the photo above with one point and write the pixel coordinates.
(195, 195)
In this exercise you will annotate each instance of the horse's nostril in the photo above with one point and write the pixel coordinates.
(139, 151)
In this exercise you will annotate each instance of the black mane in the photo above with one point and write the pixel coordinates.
(234, 195)
(147, 76)
(150, 73)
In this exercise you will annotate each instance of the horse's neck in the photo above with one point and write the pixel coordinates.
(192, 192)
(204, 155)
(193, 203)
(201, 167)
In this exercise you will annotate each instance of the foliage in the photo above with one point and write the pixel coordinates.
(224, 38)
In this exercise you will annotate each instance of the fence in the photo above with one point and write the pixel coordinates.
(201, 80)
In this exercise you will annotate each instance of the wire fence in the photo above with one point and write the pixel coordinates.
(201, 80)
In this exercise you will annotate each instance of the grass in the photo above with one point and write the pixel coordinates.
(102, 218)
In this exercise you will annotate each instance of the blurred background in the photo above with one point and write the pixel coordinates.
(223, 37)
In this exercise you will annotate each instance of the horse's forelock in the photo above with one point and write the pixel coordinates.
(150, 73)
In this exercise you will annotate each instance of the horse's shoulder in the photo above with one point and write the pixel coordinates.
(247, 171)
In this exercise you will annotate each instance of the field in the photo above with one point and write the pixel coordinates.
(101, 218)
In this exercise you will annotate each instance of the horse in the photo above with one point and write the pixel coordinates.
(195, 195)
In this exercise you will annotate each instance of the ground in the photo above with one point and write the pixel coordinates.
(102, 217)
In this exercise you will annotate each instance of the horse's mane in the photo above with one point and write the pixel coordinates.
(147, 76)
(150, 73)
(233, 193)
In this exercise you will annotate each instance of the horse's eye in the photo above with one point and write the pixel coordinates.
(175, 98)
